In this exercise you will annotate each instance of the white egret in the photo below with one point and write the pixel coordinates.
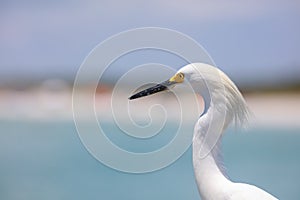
(220, 96)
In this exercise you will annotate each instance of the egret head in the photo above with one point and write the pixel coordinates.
(176, 79)
(212, 84)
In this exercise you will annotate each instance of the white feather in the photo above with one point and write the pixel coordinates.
(224, 104)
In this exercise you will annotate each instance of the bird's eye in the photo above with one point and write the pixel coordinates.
(178, 78)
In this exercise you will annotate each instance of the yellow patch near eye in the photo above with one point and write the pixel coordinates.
(178, 78)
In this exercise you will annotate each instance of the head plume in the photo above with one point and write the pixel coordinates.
(223, 93)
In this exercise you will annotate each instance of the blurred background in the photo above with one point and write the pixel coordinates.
(43, 44)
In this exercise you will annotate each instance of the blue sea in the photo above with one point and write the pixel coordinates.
(46, 160)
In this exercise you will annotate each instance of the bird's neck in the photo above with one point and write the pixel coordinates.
(206, 154)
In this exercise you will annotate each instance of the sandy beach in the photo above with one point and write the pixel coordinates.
(269, 109)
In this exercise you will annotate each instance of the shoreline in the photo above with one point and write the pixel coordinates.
(269, 109)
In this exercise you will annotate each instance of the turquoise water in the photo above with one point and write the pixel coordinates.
(48, 161)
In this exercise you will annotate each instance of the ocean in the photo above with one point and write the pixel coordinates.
(46, 160)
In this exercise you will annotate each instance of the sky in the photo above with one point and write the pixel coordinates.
(252, 41)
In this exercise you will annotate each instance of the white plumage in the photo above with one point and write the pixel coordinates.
(221, 97)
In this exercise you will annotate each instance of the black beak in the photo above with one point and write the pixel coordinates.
(152, 90)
